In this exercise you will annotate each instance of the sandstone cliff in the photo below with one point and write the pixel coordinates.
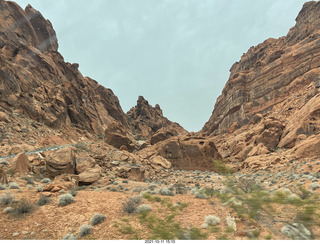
(271, 73)
(37, 82)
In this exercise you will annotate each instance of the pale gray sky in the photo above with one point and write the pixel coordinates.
(175, 53)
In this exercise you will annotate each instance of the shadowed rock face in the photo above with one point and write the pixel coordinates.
(270, 73)
(35, 80)
(147, 120)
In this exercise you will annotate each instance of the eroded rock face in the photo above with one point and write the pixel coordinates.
(184, 153)
(37, 82)
(271, 73)
(146, 121)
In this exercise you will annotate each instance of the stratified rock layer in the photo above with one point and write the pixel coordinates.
(270, 73)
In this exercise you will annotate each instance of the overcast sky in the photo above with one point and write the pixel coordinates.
(175, 53)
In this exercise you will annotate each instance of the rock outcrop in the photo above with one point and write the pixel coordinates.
(60, 162)
(37, 82)
(146, 121)
(271, 73)
(183, 153)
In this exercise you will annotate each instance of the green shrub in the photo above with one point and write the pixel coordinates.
(3, 187)
(69, 236)
(7, 198)
(165, 192)
(84, 230)
(65, 199)
(45, 180)
(212, 220)
(14, 185)
(43, 200)
(22, 208)
(131, 204)
(8, 210)
(97, 219)
(28, 180)
(143, 208)
(222, 167)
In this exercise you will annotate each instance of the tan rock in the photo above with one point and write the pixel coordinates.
(186, 153)
(21, 164)
(90, 176)
(158, 160)
(4, 117)
(84, 162)
(59, 162)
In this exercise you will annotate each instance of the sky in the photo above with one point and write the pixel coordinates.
(175, 53)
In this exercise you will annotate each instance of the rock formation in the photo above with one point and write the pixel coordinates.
(35, 80)
(146, 121)
(271, 73)
(183, 153)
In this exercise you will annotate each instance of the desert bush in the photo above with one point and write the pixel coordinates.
(28, 180)
(74, 191)
(314, 186)
(97, 219)
(69, 236)
(22, 208)
(7, 210)
(131, 204)
(43, 200)
(200, 194)
(143, 208)
(139, 189)
(84, 230)
(29, 187)
(45, 180)
(39, 188)
(14, 185)
(222, 167)
(300, 191)
(3, 187)
(245, 184)
(165, 192)
(65, 199)
(7, 198)
(212, 220)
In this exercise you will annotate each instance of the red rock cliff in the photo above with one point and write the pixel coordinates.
(270, 73)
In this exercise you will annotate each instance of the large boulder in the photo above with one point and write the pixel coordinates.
(161, 136)
(90, 176)
(84, 162)
(21, 164)
(59, 162)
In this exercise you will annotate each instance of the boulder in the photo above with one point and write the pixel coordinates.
(90, 176)
(21, 164)
(84, 162)
(157, 161)
(59, 162)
